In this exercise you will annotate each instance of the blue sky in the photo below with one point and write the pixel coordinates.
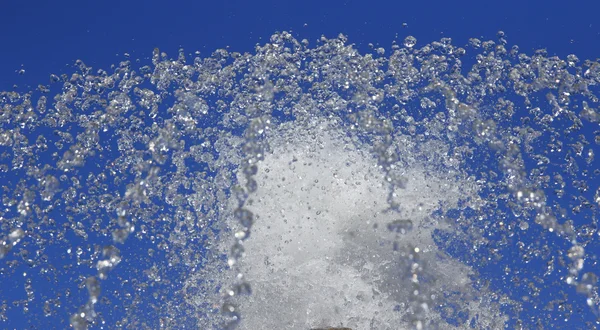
(44, 37)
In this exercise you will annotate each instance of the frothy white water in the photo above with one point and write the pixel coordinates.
(133, 173)
(321, 252)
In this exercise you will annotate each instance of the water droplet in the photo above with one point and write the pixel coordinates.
(410, 42)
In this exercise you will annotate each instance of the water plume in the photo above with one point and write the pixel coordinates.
(305, 186)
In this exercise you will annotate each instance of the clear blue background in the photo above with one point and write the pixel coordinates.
(44, 37)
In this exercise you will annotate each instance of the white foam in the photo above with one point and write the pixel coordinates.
(320, 253)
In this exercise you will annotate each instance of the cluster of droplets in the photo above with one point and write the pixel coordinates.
(8, 243)
(150, 154)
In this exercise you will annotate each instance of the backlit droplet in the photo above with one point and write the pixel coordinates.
(410, 42)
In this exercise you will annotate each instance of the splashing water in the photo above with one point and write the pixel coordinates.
(305, 187)
(322, 249)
